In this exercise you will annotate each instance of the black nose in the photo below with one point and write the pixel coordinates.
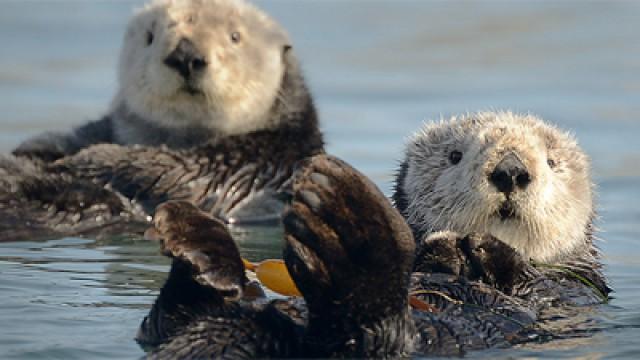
(509, 174)
(186, 59)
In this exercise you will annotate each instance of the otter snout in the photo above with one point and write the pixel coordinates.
(186, 59)
(510, 174)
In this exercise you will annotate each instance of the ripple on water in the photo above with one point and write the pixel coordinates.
(75, 298)
(392, 65)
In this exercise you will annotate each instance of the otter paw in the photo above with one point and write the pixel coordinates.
(502, 265)
(193, 237)
(441, 252)
(345, 241)
(475, 257)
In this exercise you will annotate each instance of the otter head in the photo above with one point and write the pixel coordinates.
(215, 64)
(512, 176)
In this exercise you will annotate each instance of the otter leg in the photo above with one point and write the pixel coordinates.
(206, 272)
(350, 253)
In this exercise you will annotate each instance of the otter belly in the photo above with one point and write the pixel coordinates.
(115, 186)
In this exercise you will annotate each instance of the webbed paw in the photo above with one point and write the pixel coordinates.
(348, 249)
(193, 237)
(474, 256)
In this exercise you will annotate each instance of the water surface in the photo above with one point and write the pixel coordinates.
(378, 69)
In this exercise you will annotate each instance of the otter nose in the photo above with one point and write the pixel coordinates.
(510, 174)
(186, 59)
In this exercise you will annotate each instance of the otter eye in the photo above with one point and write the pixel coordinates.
(149, 38)
(235, 37)
(551, 163)
(455, 157)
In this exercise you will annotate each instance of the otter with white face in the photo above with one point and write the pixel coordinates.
(218, 83)
(191, 72)
(217, 64)
(511, 176)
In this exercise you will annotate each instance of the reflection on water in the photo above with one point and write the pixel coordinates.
(377, 69)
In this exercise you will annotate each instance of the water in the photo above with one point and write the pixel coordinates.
(377, 69)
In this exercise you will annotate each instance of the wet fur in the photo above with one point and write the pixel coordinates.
(435, 195)
(229, 165)
(355, 260)
(554, 214)
(235, 179)
(351, 255)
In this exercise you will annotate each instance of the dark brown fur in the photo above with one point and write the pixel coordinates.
(350, 253)
(228, 179)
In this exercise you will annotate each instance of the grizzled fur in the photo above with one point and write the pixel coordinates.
(445, 184)
(235, 179)
(248, 85)
(37, 204)
(230, 133)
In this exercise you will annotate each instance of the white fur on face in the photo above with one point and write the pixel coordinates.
(552, 212)
(240, 83)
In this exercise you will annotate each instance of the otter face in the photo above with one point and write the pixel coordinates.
(512, 176)
(212, 63)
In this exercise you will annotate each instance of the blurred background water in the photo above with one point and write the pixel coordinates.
(378, 69)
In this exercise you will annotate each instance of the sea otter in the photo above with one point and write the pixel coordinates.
(512, 176)
(351, 255)
(214, 92)
(356, 261)
(191, 72)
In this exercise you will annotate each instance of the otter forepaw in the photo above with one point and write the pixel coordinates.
(502, 265)
(344, 239)
(193, 237)
(440, 252)
(474, 256)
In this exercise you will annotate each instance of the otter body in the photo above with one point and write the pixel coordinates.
(108, 188)
(192, 72)
(212, 91)
(353, 267)
(357, 260)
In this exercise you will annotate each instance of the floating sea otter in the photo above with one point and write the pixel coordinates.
(216, 83)
(354, 259)
(193, 72)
